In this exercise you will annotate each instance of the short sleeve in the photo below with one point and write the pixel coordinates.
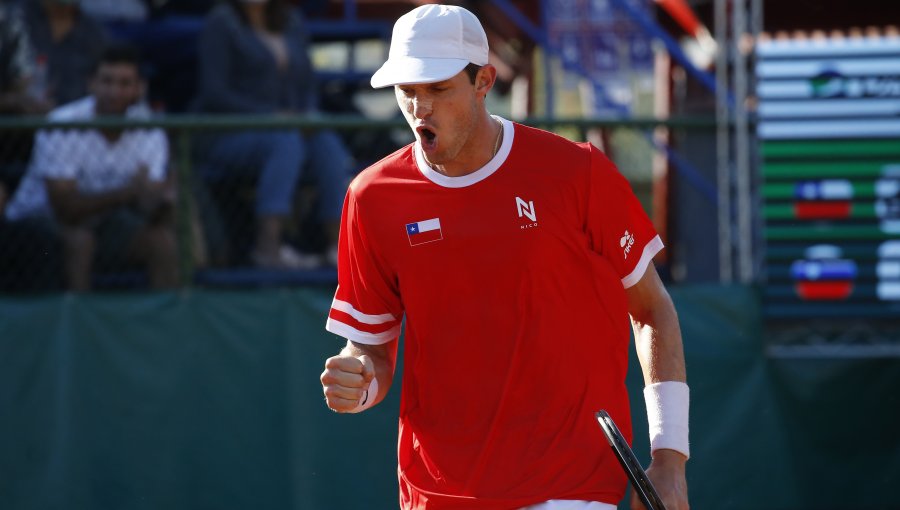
(367, 308)
(155, 154)
(56, 153)
(618, 226)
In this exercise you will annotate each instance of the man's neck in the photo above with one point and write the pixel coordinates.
(110, 134)
(494, 133)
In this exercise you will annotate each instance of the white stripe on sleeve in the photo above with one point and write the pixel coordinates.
(361, 317)
(362, 337)
(650, 250)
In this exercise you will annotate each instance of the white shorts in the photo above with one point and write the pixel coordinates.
(570, 504)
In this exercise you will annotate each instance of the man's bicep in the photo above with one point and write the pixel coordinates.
(647, 293)
(657, 334)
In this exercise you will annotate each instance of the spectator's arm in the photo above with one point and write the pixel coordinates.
(215, 63)
(154, 153)
(71, 207)
(15, 100)
(158, 195)
(58, 154)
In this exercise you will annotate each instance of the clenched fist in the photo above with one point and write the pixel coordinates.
(346, 381)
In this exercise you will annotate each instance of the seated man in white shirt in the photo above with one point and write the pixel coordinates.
(107, 190)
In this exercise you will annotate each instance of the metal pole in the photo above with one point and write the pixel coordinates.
(756, 28)
(549, 86)
(185, 215)
(742, 145)
(723, 163)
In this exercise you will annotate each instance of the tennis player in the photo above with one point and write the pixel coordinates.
(516, 257)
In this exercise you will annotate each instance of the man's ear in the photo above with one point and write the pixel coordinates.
(484, 80)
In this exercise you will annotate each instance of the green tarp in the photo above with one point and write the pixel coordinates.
(211, 400)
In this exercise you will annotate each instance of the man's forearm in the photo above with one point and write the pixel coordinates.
(657, 335)
(659, 346)
(75, 207)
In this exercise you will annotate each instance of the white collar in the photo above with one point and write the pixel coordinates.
(476, 176)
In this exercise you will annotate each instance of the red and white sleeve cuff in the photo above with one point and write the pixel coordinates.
(650, 250)
(373, 329)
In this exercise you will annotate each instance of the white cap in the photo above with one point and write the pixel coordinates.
(432, 43)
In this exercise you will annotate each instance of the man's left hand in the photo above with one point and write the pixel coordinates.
(666, 471)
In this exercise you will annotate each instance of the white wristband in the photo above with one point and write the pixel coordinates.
(368, 398)
(667, 414)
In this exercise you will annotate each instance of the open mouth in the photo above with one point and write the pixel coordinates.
(427, 137)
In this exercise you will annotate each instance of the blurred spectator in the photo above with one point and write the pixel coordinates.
(68, 44)
(17, 68)
(106, 189)
(21, 93)
(254, 60)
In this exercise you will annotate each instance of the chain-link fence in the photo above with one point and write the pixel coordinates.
(114, 203)
(174, 201)
(29, 258)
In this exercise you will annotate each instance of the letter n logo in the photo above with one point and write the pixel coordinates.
(526, 209)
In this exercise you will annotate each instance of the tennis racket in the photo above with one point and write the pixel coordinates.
(639, 480)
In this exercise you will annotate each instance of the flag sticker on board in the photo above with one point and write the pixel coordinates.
(824, 275)
(422, 232)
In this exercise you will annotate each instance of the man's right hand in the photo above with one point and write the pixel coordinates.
(154, 200)
(138, 189)
(346, 380)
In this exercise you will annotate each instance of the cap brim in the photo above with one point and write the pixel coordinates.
(412, 70)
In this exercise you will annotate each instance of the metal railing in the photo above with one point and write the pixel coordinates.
(184, 131)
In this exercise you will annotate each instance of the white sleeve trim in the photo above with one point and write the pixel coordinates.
(359, 316)
(650, 250)
(362, 337)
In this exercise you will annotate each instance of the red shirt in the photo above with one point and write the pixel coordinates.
(512, 282)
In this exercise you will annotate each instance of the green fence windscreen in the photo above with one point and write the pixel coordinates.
(204, 399)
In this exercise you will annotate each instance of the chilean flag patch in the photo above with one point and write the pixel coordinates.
(422, 232)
